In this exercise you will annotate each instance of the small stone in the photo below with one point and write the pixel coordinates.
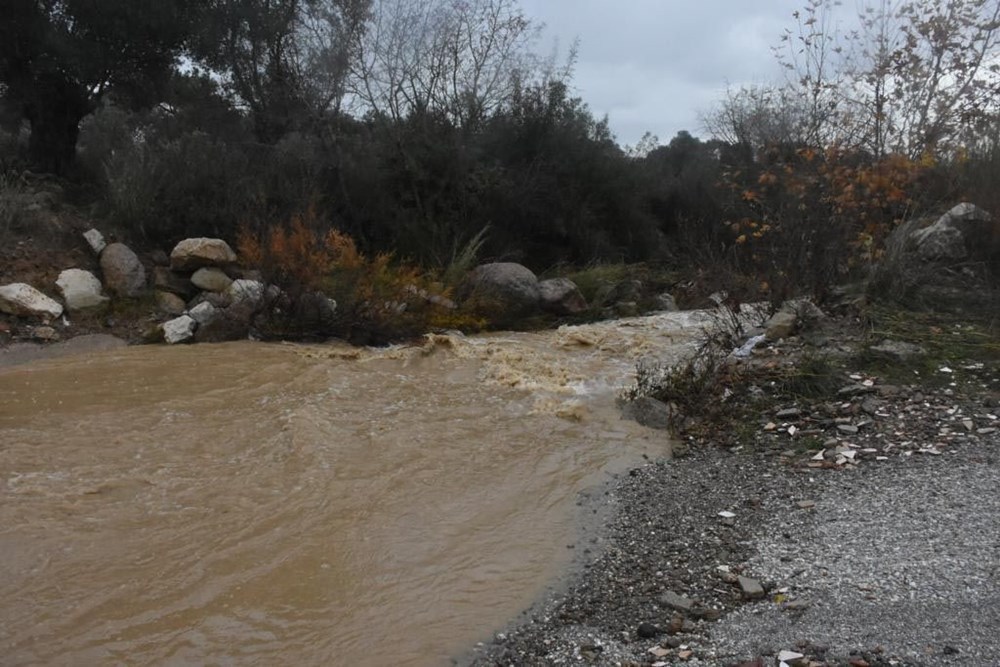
(726, 514)
(729, 578)
(676, 601)
(647, 631)
(751, 588)
(203, 312)
(858, 662)
(791, 658)
(45, 333)
(806, 504)
(211, 279)
(850, 429)
(659, 652)
(707, 613)
(169, 303)
(788, 413)
(95, 240)
(179, 329)
(686, 654)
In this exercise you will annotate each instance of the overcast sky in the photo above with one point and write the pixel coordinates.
(655, 64)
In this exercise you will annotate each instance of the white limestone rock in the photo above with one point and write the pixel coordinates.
(23, 299)
(179, 329)
(80, 289)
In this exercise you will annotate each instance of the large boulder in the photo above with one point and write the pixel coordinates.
(963, 231)
(80, 289)
(650, 412)
(23, 299)
(193, 254)
(562, 297)
(504, 289)
(124, 274)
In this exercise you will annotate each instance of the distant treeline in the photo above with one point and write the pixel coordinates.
(412, 126)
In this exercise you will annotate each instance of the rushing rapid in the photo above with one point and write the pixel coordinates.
(313, 505)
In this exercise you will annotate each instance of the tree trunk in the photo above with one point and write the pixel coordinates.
(55, 114)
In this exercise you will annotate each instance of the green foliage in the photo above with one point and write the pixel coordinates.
(59, 59)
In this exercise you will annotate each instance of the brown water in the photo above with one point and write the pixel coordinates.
(306, 505)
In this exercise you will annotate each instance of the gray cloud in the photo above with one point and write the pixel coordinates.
(656, 64)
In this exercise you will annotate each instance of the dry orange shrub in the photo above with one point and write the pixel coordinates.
(806, 217)
(378, 299)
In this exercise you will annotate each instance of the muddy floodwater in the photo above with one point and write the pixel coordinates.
(305, 505)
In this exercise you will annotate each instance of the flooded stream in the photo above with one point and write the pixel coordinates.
(309, 505)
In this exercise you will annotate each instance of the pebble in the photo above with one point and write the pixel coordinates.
(676, 601)
(751, 588)
(647, 631)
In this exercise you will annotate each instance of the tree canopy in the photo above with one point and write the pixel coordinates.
(60, 58)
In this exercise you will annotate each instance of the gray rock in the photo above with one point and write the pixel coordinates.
(649, 412)
(211, 279)
(245, 291)
(179, 330)
(23, 299)
(788, 413)
(950, 237)
(897, 350)
(561, 296)
(124, 274)
(673, 600)
(192, 254)
(504, 288)
(666, 303)
(792, 658)
(203, 313)
(170, 303)
(80, 289)
(781, 325)
(806, 311)
(751, 588)
(95, 240)
(227, 324)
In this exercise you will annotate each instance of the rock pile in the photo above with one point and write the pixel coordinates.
(199, 285)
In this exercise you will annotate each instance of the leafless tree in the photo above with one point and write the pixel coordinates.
(461, 58)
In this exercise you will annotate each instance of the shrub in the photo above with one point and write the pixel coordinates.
(377, 300)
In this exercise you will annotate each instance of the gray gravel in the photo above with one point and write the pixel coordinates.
(895, 563)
